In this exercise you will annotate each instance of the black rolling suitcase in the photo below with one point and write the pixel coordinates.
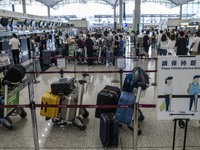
(109, 130)
(108, 96)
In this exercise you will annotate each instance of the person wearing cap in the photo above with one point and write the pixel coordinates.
(168, 92)
(15, 48)
(193, 90)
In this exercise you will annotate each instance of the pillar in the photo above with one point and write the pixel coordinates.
(115, 22)
(137, 15)
(48, 11)
(120, 14)
(181, 12)
(24, 6)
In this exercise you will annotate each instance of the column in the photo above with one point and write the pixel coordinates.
(24, 6)
(48, 10)
(120, 14)
(115, 22)
(181, 12)
(137, 15)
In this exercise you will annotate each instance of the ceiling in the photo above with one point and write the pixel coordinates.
(180, 2)
(52, 3)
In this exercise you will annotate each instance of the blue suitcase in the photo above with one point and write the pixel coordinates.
(124, 115)
(109, 129)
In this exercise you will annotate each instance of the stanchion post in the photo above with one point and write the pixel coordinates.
(121, 76)
(75, 63)
(115, 80)
(61, 73)
(155, 77)
(185, 134)
(135, 131)
(34, 70)
(174, 134)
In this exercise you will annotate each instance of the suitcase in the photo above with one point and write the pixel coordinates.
(49, 98)
(63, 86)
(162, 106)
(46, 60)
(109, 130)
(108, 96)
(69, 113)
(124, 115)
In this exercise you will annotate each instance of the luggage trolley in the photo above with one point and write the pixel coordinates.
(64, 117)
(11, 98)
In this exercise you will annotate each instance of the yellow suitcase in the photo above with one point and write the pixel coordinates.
(49, 98)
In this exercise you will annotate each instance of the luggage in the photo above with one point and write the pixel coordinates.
(109, 130)
(128, 84)
(46, 60)
(63, 86)
(49, 98)
(108, 96)
(15, 74)
(69, 113)
(1, 109)
(124, 115)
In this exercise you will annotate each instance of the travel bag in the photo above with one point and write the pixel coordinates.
(46, 57)
(108, 96)
(69, 113)
(109, 130)
(63, 86)
(124, 115)
(49, 98)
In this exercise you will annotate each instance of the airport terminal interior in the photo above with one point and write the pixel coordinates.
(29, 129)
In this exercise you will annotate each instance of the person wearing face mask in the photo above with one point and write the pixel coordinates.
(193, 90)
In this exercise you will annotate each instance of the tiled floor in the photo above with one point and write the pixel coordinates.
(156, 135)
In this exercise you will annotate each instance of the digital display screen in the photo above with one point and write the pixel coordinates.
(14, 22)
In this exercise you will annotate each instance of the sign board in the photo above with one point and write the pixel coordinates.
(178, 87)
(31, 90)
(121, 63)
(61, 63)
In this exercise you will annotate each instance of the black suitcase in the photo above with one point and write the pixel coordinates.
(108, 96)
(63, 86)
(109, 130)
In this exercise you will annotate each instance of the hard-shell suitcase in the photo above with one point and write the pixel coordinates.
(49, 98)
(63, 86)
(124, 115)
(46, 60)
(108, 96)
(69, 113)
(109, 129)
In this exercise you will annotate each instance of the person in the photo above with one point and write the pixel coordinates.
(146, 43)
(158, 40)
(42, 46)
(171, 45)
(168, 90)
(195, 44)
(121, 46)
(163, 44)
(181, 44)
(193, 90)
(15, 48)
(66, 43)
(153, 40)
(115, 48)
(89, 45)
(80, 49)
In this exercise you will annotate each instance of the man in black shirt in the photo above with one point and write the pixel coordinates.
(89, 45)
(146, 43)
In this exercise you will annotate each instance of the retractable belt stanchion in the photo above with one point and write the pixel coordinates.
(34, 69)
(115, 80)
(121, 77)
(33, 114)
(155, 77)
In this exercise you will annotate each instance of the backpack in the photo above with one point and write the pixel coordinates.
(164, 37)
(100, 43)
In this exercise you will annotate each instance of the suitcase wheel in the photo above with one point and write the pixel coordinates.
(55, 120)
(85, 114)
(139, 132)
(8, 123)
(141, 118)
(181, 123)
(23, 114)
(82, 127)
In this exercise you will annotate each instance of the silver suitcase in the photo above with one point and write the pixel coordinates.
(69, 113)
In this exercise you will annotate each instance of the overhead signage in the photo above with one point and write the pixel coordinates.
(178, 87)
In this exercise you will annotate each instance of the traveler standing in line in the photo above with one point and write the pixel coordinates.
(89, 45)
(15, 48)
(42, 46)
(195, 44)
(163, 44)
(153, 39)
(146, 44)
(158, 39)
(181, 44)
(171, 45)
(121, 46)
(115, 48)
(66, 42)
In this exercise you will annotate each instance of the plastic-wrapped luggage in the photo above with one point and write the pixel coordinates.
(108, 96)
(109, 130)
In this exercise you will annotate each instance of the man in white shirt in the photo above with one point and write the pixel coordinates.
(15, 46)
(195, 44)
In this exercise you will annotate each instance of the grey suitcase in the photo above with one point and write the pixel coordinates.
(69, 113)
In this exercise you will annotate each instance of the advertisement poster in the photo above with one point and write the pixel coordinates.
(178, 90)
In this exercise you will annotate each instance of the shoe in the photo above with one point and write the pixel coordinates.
(90, 66)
